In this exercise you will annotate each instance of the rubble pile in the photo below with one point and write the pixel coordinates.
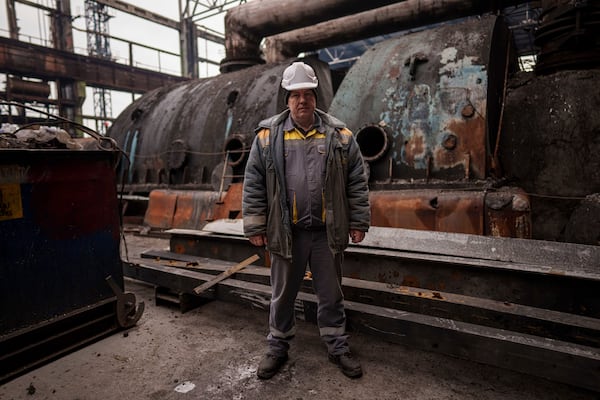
(44, 137)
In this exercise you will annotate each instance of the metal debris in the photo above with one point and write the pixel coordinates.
(44, 137)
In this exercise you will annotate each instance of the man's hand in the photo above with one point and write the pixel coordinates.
(356, 235)
(258, 240)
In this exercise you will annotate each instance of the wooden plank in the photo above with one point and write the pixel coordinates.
(206, 285)
(261, 274)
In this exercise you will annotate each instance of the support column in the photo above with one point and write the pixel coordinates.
(188, 39)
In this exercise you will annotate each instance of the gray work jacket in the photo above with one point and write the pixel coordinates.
(265, 205)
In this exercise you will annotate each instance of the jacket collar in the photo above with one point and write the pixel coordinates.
(279, 118)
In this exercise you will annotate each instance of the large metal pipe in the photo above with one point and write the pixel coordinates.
(392, 18)
(247, 24)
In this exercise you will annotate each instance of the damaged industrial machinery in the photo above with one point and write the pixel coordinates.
(455, 137)
(484, 179)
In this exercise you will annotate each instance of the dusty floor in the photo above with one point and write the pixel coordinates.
(212, 352)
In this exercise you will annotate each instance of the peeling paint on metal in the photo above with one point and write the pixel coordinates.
(132, 154)
(448, 54)
(419, 85)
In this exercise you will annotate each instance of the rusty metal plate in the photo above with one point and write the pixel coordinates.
(429, 209)
(161, 208)
(192, 209)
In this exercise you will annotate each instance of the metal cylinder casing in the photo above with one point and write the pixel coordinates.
(430, 90)
(178, 135)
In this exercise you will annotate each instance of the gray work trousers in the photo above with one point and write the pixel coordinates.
(308, 248)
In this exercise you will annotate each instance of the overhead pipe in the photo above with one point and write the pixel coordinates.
(247, 24)
(392, 18)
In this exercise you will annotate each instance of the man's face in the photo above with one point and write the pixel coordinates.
(302, 104)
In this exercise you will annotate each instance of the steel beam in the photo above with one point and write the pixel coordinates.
(497, 314)
(557, 360)
(27, 59)
(141, 13)
(29, 348)
(568, 289)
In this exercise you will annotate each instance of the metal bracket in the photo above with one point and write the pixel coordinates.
(127, 315)
(413, 61)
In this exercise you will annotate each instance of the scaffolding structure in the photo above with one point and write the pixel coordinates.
(66, 70)
(98, 45)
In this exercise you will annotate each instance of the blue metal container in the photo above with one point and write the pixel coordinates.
(59, 241)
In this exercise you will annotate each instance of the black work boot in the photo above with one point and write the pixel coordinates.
(348, 363)
(269, 365)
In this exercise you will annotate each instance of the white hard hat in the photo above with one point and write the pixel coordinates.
(299, 76)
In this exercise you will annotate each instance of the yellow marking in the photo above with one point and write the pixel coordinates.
(263, 136)
(11, 206)
(295, 134)
(294, 211)
(323, 213)
(345, 135)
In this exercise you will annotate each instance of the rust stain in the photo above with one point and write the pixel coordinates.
(178, 248)
(192, 209)
(414, 148)
(161, 209)
(460, 212)
(401, 210)
(394, 72)
(410, 281)
(231, 203)
(469, 136)
(506, 218)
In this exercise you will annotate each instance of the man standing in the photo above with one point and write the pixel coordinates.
(305, 194)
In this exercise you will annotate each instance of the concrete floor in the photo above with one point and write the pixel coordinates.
(212, 351)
